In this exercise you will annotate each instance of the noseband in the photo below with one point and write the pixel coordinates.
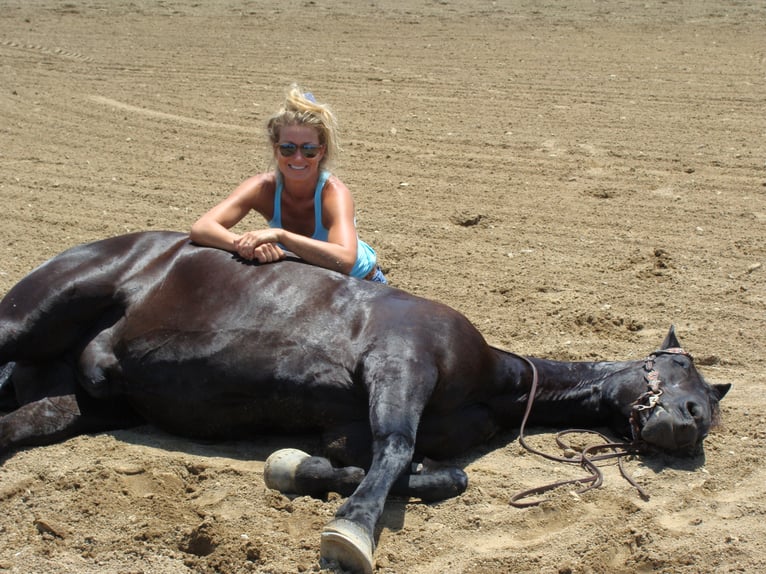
(646, 401)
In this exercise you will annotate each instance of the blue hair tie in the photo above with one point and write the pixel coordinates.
(310, 97)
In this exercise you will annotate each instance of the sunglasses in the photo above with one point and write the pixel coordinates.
(308, 151)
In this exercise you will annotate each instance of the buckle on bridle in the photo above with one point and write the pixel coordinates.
(651, 397)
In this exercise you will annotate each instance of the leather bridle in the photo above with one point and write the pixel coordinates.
(648, 400)
(586, 457)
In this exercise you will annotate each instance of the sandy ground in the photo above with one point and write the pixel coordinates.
(573, 178)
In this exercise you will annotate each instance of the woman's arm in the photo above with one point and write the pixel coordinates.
(213, 228)
(337, 253)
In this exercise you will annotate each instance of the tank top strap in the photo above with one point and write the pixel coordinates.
(319, 230)
(276, 216)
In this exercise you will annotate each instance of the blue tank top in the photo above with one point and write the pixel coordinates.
(365, 255)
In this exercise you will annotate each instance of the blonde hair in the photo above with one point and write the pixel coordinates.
(301, 109)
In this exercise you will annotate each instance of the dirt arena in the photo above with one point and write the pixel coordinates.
(574, 179)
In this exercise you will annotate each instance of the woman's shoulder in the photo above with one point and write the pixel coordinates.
(334, 186)
(336, 197)
(258, 185)
(259, 180)
(258, 191)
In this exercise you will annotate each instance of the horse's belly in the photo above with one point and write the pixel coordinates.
(211, 384)
(214, 411)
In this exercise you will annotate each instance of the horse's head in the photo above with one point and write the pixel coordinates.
(676, 407)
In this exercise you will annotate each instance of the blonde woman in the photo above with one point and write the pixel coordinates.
(310, 212)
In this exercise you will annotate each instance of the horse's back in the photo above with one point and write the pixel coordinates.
(46, 312)
(159, 320)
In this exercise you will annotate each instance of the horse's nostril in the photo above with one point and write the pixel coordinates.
(695, 410)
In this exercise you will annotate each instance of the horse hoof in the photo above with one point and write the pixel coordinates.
(348, 544)
(279, 470)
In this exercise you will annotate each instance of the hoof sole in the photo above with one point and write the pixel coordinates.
(347, 543)
(279, 470)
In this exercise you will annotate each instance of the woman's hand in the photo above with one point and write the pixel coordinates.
(260, 245)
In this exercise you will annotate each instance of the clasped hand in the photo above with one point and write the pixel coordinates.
(261, 245)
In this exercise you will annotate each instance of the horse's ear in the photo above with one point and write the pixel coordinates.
(721, 389)
(671, 341)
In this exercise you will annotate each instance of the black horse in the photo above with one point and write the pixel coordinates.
(148, 327)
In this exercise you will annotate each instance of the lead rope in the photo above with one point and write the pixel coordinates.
(585, 460)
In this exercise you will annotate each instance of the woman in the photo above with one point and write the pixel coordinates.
(310, 212)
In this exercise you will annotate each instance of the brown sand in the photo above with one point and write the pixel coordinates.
(573, 178)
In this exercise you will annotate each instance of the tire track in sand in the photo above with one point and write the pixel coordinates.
(168, 116)
(39, 48)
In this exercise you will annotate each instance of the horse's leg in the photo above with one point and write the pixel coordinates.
(42, 318)
(48, 408)
(97, 365)
(398, 391)
(439, 437)
(53, 408)
(293, 471)
(443, 437)
(433, 485)
(44, 421)
(350, 444)
(315, 476)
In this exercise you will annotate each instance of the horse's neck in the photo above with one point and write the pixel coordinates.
(567, 392)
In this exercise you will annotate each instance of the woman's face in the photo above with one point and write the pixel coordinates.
(294, 151)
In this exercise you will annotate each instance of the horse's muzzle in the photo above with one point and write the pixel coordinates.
(676, 434)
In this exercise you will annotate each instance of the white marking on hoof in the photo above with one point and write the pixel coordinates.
(279, 470)
(347, 543)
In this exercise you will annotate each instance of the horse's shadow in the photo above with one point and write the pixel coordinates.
(244, 450)
(255, 449)
(657, 462)
(258, 449)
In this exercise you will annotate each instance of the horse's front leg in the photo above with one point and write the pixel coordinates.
(349, 538)
(395, 409)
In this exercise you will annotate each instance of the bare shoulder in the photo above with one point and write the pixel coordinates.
(337, 205)
(335, 191)
(258, 183)
(257, 191)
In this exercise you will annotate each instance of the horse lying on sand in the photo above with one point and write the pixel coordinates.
(148, 327)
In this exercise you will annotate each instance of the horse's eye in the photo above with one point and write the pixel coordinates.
(681, 361)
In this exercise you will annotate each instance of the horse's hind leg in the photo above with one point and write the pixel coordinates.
(48, 409)
(53, 408)
(47, 313)
(44, 421)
